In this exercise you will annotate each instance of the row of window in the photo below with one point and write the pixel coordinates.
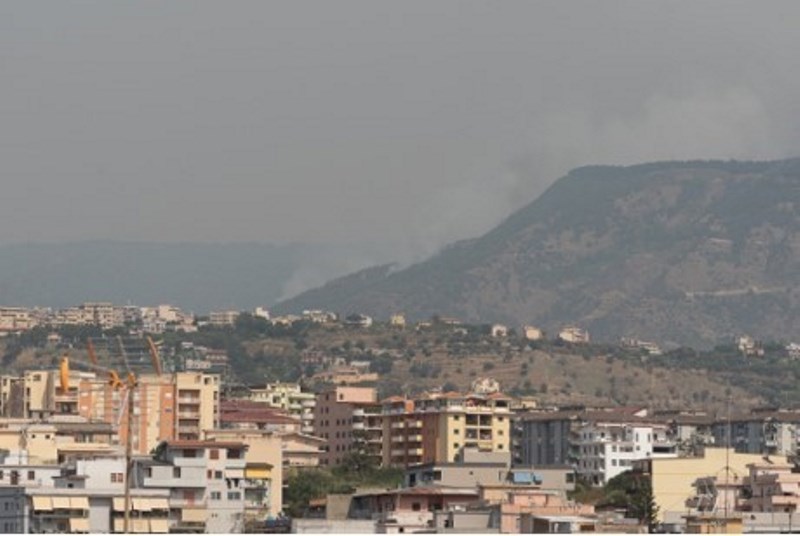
(232, 495)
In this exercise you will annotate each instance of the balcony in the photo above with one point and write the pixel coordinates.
(358, 412)
(358, 426)
(308, 403)
(194, 400)
(188, 429)
(414, 438)
(398, 425)
(188, 414)
(414, 451)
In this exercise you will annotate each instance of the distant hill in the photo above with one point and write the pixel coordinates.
(679, 252)
(197, 277)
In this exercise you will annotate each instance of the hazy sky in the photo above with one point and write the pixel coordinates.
(402, 124)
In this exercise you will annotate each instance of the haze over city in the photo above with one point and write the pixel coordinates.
(394, 128)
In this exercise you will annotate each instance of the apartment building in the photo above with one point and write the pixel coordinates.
(197, 397)
(263, 473)
(772, 488)
(15, 320)
(769, 431)
(206, 483)
(223, 319)
(178, 406)
(437, 427)
(12, 510)
(603, 450)
(291, 398)
(340, 419)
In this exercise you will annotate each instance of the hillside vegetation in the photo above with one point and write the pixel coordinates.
(683, 253)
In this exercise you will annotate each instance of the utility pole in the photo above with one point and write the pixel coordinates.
(129, 455)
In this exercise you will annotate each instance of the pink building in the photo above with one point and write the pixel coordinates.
(339, 420)
(514, 504)
(411, 509)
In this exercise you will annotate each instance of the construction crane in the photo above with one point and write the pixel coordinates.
(130, 383)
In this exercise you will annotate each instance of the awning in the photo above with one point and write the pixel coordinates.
(159, 526)
(42, 503)
(195, 515)
(79, 524)
(79, 503)
(141, 504)
(119, 504)
(61, 502)
(159, 503)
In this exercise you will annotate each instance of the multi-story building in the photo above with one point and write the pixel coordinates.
(15, 320)
(603, 450)
(223, 319)
(197, 397)
(291, 398)
(769, 431)
(178, 406)
(263, 487)
(437, 427)
(773, 488)
(206, 480)
(12, 510)
(339, 419)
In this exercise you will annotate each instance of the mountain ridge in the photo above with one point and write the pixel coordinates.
(623, 250)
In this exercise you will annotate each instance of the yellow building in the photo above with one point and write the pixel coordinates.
(672, 478)
(435, 428)
(197, 410)
(36, 440)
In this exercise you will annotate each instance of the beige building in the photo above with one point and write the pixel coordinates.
(301, 450)
(574, 335)
(15, 320)
(437, 427)
(223, 318)
(672, 479)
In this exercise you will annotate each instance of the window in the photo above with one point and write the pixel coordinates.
(456, 431)
(416, 506)
(218, 475)
(209, 474)
(176, 472)
(117, 477)
(31, 475)
(214, 454)
(234, 495)
(215, 496)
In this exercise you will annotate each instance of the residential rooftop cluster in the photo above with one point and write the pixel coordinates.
(206, 457)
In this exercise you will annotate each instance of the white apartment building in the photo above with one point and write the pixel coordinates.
(602, 451)
(290, 398)
(206, 480)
